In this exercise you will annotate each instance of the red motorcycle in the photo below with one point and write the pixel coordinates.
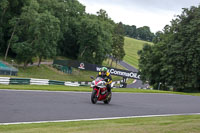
(100, 92)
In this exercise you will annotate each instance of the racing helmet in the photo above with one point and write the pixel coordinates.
(104, 70)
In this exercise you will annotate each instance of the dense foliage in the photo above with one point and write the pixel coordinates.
(46, 28)
(174, 60)
(141, 33)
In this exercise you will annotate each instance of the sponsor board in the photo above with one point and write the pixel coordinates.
(123, 73)
(93, 67)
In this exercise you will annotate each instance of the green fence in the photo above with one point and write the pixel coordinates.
(64, 69)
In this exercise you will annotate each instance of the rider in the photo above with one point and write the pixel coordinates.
(106, 76)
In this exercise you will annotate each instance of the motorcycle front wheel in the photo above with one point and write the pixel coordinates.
(94, 97)
(108, 99)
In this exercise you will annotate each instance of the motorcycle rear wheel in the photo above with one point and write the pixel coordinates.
(94, 97)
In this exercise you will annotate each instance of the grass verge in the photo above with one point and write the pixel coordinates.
(48, 72)
(170, 124)
(86, 89)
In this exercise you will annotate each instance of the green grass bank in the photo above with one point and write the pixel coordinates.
(171, 124)
(131, 48)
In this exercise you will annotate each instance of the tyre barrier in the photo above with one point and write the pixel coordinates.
(33, 81)
(39, 81)
(4, 80)
(21, 81)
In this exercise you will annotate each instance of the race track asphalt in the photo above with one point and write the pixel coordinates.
(33, 106)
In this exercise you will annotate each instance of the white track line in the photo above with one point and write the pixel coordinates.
(94, 119)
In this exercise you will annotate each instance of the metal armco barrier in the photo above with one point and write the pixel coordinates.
(33, 81)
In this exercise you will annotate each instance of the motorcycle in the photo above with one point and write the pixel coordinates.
(100, 92)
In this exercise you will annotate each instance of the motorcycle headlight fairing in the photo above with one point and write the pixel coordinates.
(93, 84)
(101, 84)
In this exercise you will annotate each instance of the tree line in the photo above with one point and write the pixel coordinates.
(174, 59)
(48, 28)
(141, 33)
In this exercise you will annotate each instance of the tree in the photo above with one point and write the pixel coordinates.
(68, 44)
(144, 33)
(47, 34)
(148, 65)
(184, 49)
(4, 4)
(102, 14)
(9, 9)
(44, 28)
(37, 34)
(118, 52)
(15, 21)
(95, 40)
(130, 31)
(25, 37)
(175, 56)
